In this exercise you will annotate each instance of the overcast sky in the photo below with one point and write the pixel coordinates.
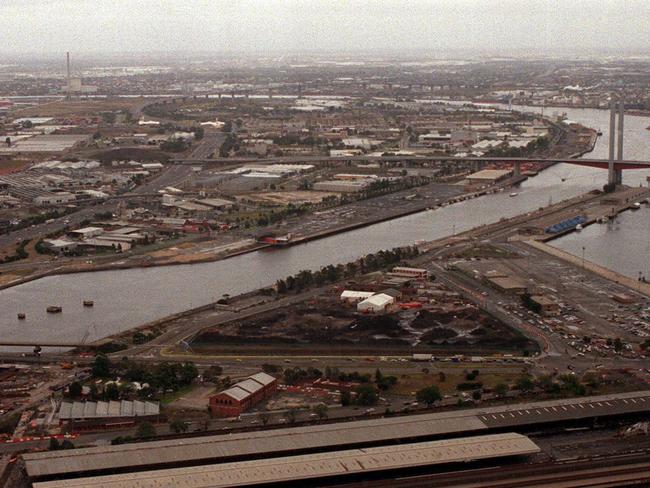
(47, 26)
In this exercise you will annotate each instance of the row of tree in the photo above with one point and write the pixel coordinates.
(331, 273)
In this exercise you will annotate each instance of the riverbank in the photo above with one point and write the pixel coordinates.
(204, 257)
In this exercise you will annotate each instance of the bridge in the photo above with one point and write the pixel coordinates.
(615, 164)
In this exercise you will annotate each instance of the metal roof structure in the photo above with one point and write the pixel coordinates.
(284, 469)
(97, 410)
(265, 443)
(263, 378)
(236, 393)
(250, 386)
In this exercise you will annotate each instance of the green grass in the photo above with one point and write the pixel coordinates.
(168, 398)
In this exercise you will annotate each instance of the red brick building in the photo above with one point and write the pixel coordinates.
(243, 395)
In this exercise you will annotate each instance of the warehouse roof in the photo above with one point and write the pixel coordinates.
(246, 473)
(378, 300)
(263, 378)
(236, 393)
(489, 174)
(337, 435)
(94, 410)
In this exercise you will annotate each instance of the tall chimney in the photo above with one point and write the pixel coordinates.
(69, 90)
(612, 140)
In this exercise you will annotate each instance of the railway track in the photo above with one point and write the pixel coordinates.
(619, 471)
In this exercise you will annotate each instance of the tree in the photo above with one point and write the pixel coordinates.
(112, 392)
(525, 383)
(501, 390)
(212, 373)
(346, 398)
(429, 395)
(145, 430)
(101, 367)
(265, 417)
(291, 415)
(54, 445)
(320, 410)
(75, 389)
(179, 426)
(366, 395)
(618, 344)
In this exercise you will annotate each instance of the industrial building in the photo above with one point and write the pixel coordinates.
(341, 186)
(243, 395)
(369, 433)
(376, 303)
(348, 463)
(106, 415)
(488, 176)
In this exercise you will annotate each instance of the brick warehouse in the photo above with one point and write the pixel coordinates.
(243, 395)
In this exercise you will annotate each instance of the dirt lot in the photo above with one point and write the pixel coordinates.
(77, 108)
(324, 324)
(12, 166)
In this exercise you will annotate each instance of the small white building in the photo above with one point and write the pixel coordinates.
(86, 232)
(376, 303)
(352, 296)
(60, 246)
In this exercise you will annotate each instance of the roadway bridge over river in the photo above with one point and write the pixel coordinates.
(615, 164)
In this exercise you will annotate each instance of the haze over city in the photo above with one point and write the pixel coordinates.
(263, 26)
(324, 243)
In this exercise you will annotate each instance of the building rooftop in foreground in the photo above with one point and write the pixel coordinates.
(278, 442)
(283, 469)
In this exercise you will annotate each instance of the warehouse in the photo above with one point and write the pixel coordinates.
(106, 415)
(341, 186)
(376, 303)
(488, 176)
(351, 464)
(352, 296)
(243, 395)
(194, 451)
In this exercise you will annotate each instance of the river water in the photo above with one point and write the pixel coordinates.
(127, 298)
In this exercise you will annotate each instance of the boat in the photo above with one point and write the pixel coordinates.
(599, 133)
(514, 194)
(636, 206)
(579, 227)
(604, 219)
(54, 309)
(21, 316)
(88, 303)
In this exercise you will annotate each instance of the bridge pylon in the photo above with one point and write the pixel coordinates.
(615, 175)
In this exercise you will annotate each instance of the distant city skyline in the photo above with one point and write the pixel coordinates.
(508, 26)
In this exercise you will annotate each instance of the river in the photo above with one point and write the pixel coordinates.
(127, 298)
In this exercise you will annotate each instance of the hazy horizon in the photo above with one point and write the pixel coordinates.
(439, 28)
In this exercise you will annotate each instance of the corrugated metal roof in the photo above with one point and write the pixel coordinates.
(236, 393)
(91, 410)
(223, 447)
(283, 469)
(263, 378)
(250, 386)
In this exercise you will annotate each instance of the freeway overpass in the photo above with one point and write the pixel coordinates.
(595, 163)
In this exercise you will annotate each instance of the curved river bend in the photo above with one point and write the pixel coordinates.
(127, 298)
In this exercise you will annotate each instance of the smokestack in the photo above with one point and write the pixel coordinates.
(621, 116)
(68, 71)
(612, 139)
